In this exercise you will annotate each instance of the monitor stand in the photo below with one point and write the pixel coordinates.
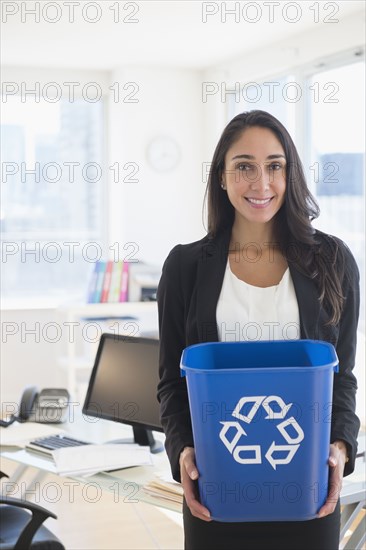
(143, 436)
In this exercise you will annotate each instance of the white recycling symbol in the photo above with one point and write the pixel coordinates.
(252, 454)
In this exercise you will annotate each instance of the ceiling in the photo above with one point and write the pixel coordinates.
(166, 33)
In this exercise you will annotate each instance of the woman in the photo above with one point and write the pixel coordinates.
(261, 265)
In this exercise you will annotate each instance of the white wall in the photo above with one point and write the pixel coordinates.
(28, 355)
(163, 208)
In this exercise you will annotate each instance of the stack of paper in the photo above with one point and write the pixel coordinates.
(90, 459)
(164, 487)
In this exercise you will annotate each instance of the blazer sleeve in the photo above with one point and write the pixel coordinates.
(172, 389)
(345, 423)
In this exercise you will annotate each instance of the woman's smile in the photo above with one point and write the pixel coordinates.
(258, 203)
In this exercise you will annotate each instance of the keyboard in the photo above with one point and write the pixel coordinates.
(53, 442)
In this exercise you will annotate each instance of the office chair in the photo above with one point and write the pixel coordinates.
(20, 530)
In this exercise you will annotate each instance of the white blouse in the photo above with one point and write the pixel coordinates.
(247, 312)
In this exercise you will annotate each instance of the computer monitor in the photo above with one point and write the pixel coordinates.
(122, 385)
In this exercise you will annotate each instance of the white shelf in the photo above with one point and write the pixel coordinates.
(78, 362)
(133, 318)
(105, 309)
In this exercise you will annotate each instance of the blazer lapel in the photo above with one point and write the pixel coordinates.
(210, 275)
(308, 302)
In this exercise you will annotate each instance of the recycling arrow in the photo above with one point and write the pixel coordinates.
(256, 459)
(256, 400)
(291, 422)
(239, 432)
(291, 450)
(270, 413)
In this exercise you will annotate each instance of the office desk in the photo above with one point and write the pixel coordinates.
(127, 484)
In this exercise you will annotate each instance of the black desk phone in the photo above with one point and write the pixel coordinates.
(48, 406)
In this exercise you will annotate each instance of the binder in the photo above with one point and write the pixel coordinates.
(106, 282)
(93, 284)
(124, 283)
(115, 287)
(101, 266)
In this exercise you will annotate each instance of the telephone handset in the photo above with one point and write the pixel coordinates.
(48, 406)
(26, 405)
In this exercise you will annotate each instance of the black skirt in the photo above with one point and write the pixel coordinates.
(315, 534)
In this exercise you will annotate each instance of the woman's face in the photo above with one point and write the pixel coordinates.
(255, 175)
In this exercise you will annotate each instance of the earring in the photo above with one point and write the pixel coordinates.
(223, 186)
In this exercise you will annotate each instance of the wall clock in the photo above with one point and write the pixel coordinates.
(163, 153)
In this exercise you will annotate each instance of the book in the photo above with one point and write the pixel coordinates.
(106, 282)
(109, 282)
(115, 282)
(101, 266)
(93, 284)
(124, 283)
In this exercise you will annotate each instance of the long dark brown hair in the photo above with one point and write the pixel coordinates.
(321, 261)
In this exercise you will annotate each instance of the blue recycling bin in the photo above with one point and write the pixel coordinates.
(261, 415)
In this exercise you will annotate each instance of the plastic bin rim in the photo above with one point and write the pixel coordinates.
(256, 342)
(332, 364)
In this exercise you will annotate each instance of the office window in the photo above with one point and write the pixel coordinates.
(336, 168)
(52, 200)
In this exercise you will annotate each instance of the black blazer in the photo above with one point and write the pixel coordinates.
(187, 296)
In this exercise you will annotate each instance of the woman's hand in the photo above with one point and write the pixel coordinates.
(336, 461)
(189, 474)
